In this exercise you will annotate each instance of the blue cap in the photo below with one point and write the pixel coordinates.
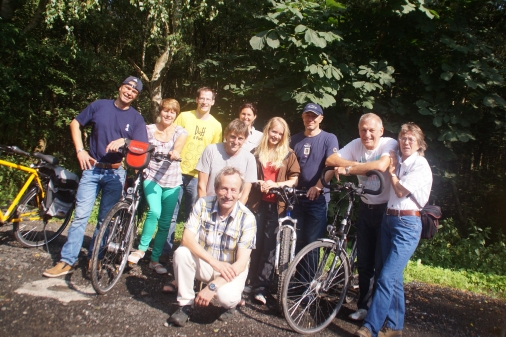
(138, 83)
(313, 107)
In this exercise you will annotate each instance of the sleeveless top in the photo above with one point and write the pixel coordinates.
(165, 175)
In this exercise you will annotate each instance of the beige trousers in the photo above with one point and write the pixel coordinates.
(187, 268)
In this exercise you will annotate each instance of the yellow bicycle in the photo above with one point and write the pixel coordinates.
(44, 205)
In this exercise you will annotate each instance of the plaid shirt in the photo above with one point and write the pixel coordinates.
(160, 172)
(221, 239)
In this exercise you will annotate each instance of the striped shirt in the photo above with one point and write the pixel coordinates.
(165, 175)
(219, 238)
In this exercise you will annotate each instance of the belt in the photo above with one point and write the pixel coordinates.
(374, 206)
(404, 212)
(107, 165)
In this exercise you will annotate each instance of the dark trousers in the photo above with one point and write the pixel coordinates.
(369, 260)
(263, 256)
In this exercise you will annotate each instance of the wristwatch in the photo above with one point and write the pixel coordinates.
(212, 287)
(394, 175)
(347, 169)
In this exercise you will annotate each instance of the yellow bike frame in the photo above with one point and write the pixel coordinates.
(30, 216)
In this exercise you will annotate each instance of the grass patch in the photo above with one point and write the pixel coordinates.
(487, 284)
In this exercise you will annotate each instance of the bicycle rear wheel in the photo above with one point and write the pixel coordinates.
(284, 259)
(315, 287)
(29, 225)
(111, 249)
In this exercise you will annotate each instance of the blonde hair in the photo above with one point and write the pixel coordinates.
(417, 132)
(166, 104)
(276, 155)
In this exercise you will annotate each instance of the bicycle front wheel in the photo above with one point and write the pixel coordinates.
(111, 249)
(29, 225)
(315, 287)
(353, 290)
(284, 259)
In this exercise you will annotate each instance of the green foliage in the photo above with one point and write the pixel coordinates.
(476, 252)
(488, 284)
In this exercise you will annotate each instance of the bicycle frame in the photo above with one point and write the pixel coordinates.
(34, 175)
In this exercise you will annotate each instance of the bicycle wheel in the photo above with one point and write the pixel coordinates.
(353, 290)
(284, 259)
(29, 225)
(111, 248)
(315, 287)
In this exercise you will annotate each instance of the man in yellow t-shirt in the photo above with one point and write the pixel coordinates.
(203, 129)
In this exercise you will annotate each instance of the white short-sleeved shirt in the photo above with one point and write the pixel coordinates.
(253, 140)
(356, 151)
(415, 175)
(215, 158)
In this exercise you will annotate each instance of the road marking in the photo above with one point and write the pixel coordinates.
(58, 289)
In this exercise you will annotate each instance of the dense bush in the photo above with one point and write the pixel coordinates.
(476, 252)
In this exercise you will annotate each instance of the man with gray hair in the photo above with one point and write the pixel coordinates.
(369, 152)
(216, 246)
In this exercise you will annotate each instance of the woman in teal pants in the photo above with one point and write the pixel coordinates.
(162, 182)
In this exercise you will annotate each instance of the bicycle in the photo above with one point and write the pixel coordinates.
(44, 205)
(115, 238)
(318, 279)
(286, 237)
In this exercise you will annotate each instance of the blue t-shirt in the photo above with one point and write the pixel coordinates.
(108, 124)
(311, 153)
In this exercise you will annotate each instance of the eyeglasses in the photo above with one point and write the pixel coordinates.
(410, 140)
(205, 100)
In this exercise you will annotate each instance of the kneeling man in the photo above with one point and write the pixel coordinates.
(216, 246)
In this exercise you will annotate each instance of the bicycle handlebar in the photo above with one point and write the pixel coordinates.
(360, 189)
(39, 155)
(159, 156)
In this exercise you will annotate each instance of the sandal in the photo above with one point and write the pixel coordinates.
(135, 256)
(169, 288)
(158, 267)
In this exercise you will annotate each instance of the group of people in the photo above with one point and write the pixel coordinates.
(230, 216)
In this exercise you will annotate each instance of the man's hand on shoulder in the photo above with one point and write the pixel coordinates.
(225, 269)
(115, 145)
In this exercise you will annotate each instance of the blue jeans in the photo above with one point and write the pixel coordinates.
(368, 250)
(399, 239)
(311, 223)
(110, 182)
(189, 189)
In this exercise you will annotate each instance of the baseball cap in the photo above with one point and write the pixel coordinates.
(313, 107)
(138, 83)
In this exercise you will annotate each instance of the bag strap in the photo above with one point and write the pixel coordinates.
(414, 200)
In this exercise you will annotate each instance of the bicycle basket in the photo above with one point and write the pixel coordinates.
(139, 154)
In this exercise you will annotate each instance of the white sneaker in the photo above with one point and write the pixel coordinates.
(261, 298)
(358, 315)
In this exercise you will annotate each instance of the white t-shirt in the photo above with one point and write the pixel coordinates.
(356, 151)
(215, 158)
(415, 175)
(253, 140)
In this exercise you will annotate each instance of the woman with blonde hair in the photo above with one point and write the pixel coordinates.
(161, 183)
(276, 166)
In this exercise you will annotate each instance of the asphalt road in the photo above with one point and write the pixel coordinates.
(31, 305)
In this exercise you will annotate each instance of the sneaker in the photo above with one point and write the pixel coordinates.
(61, 268)
(260, 298)
(158, 268)
(181, 316)
(363, 332)
(227, 315)
(358, 315)
(135, 256)
(387, 332)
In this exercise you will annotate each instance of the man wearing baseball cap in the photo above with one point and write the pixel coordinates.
(113, 122)
(312, 147)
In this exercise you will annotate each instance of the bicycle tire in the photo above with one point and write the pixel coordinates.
(308, 306)
(353, 290)
(284, 260)
(28, 224)
(111, 248)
